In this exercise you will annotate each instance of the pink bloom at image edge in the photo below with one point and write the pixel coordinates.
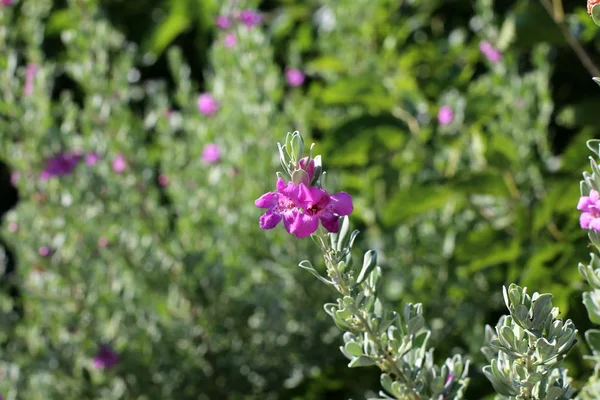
(119, 163)
(302, 207)
(445, 115)
(492, 54)
(230, 40)
(294, 77)
(60, 164)
(223, 22)
(207, 104)
(6, 3)
(211, 153)
(250, 18)
(30, 72)
(106, 358)
(590, 207)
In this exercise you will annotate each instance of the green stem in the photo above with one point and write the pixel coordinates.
(389, 364)
(572, 40)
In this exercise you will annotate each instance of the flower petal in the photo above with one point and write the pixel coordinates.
(330, 221)
(267, 200)
(594, 196)
(290, 191)
(289, 219)
(311, 195)
(595, 224)
(305, 225)
(584, 202)
(269, 220)
(340, 203)
(585, 219)
(280, 185)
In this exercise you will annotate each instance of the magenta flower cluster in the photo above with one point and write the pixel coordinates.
(247, 17)
(302, 206)
(63, 163)
(60, 164)
(590, 211)
(105, 358)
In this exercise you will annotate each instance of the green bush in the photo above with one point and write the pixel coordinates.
(164, 263)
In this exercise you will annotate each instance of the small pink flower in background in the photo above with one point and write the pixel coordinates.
(45, 251)
(105, 358)
(590, 207)
(163, 180)
(119, 163)
(6, 3)
(211, 153)
(30, 72)
(445, 115)
(92, 158)
(230, 40)
(60, 164)
(13, 227)
(250, 18)
(103, 241)
(294, 77)
(207, 104)
(492, 54)
(223, 22)
(14, 178)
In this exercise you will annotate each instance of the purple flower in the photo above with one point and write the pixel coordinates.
(92, 158)
(445, 115)
(230, 40)
(492, 54)
(105, 358)
(45, 251)
(30, 73)
(319, 205)
(60, 164)
(211, 153)
(590, 205)
(302, 207)
(250, 18)
(6, 3)
(119, 163)
(282, 204)
(223, 22)
(207, 104)
(294, 77)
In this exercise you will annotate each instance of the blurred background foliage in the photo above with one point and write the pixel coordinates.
(197, 301)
